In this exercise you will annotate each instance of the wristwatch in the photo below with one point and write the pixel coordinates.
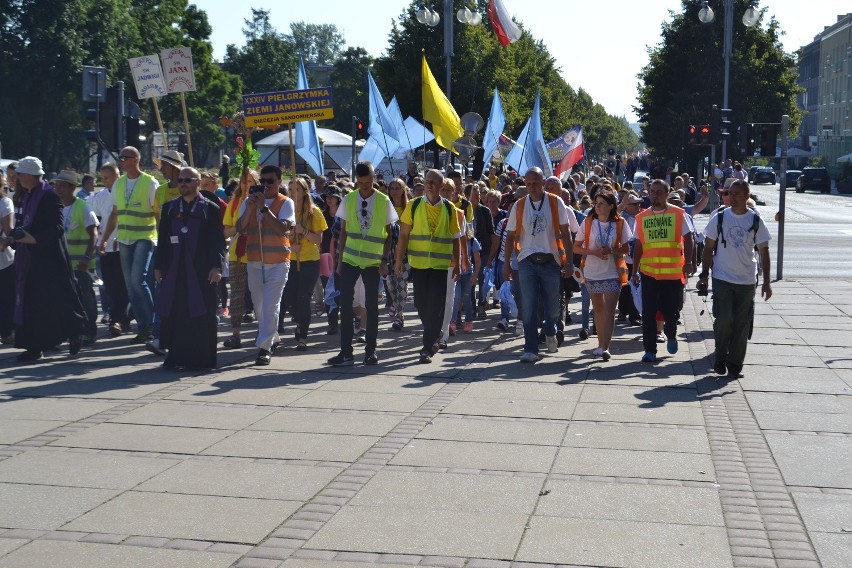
(264, 209)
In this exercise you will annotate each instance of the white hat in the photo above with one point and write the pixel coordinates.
(30, 165)
(68, 176)
(173, 158)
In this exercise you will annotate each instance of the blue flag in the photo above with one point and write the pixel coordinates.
(494, 128)
(381, 126)
(307, 142)
(531, 150)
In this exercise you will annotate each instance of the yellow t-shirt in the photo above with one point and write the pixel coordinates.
(164, 195)
(398, 210)
(229, 220)
(433, 214)
(309, 250)
(468, 214)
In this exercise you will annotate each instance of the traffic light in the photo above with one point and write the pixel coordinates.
(724, 129)
(748, 139)
(714, 124)
(111, 112)
(92, 117)
(691, 134)
(704, 135)
(360, 129)
(768, 139)
(134, 126)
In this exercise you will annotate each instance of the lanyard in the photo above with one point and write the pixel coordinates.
(604, 241)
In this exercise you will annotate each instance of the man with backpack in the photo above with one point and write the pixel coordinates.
(730, 240)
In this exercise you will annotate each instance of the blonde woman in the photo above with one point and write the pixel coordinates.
(304, 244)
(237, 260)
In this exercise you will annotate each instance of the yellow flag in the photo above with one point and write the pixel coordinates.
(446, 125)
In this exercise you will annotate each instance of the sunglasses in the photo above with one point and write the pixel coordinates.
(186, 180)
(363, 208)
(267, 181)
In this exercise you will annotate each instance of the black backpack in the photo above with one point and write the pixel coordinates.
(755, 225)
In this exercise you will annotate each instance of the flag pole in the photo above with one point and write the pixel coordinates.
(292, 152)
(186, 128)
(160, 124)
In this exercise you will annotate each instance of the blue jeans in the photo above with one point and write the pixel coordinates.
(463, 299)
(135, 264)
(538, 282)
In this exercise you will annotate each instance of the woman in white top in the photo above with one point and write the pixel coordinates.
(603, 240)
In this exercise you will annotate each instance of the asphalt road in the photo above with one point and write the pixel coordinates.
(817, 232)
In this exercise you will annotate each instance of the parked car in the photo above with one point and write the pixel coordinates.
(751, 171)
(764, 175)
(813, 178)
(792, 176)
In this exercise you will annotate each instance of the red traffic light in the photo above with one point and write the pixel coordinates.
(360, 130)
(705, 130)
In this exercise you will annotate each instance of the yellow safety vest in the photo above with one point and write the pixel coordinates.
(366, 250)
(430, 250)
(77, 236)
(136, 221)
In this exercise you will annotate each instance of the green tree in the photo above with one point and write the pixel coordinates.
(684, 77)
(481, 64)
(322, 44)
(349, 77)
(267, 62)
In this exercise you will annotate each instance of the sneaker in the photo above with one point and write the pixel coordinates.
(606, 355)
(361, 336)
(597, 351)
(371, 358)
(233, 342)
(115, 329)
(503, 324)
(622, 317)
(671, 345)
(720, 368)
(519, 328)
(341, 360)
(584, 334)
(530, 357)
(649, 357)
(635, 321)
(468, 326)
(264, 357)
(552, 347)
(397, 325)
(442, 345)
(425, 357)
(154, 347)
(301, 347)
(248, 317)
(452, 328)
(661, 338)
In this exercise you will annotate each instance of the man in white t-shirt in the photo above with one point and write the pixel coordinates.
(730, 255)
(545, 252)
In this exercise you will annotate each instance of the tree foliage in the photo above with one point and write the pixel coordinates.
(480, 65)
(349, 78)
(322, 44)
(685, 75)
(45, 43)
(267, 62)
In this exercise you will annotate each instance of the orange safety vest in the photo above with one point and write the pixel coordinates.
(266, 246)
(620, 263)
(554, 216)
(661, 235)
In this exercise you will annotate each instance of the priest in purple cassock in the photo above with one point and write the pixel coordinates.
(188, 266)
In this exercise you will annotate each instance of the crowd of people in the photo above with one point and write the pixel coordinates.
(179, 257)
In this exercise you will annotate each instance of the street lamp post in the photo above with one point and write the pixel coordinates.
(425, 15)
(750, 18)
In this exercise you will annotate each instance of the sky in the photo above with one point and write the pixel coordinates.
(606, 48)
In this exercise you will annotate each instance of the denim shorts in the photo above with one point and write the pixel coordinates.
(603, 286)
